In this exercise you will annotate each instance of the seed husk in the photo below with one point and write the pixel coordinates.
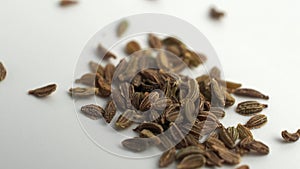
(250, 93)
(2, 72)
(250, 107)
(93, 111)
(256, 121)
(109, 71)
(43, 91)
(122, 27)
(167, 158)
(132, 47)
(110, 111)
(192, 161)
(153, 127)
(136, 144)
(83, 92)
(290, 137)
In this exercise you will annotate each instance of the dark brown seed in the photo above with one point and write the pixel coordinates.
(132, 47)
(153, 127)
(110, 111)
(136, 144)
(104, 87)
(243, 167)
(109, 71)
(256, 121)
(92, 111)
(167, 158)
(212, 159)
(182, 153)
(256, 147)
(88, 79)
(192, 161)
(64, 3)
(2, 72)
(83, 92)
(172, 41)
(154, 41)
(104, 54)
(216, 14)
(290, 137)
(122, 27)
(250, 107)
(43, 91)
(244, 132)
(250, 93)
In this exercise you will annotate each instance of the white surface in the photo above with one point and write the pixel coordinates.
(257, 43)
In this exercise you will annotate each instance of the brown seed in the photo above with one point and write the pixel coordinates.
(233, 133)
(109, 71)
(104, 87)
(218, 112)
(215, 72)
(122, 27)
(192, 161)
(212, 159)
(153, 139)
(43, 91)
(243, 167)
(154, 41)
(64, 3)
(174, 49)
(92, 111)
(2, 72)
(229, 100)
(182, 153)
(244, 132)
(110, 111)
(172, 41)
(250, 93)
(83, 92)
(256, 121)
(257, 147)
(153, 127)
(132, 47)
(167, 158)
(218, 92)
(290, 137)
(226, 138)
(88, 79)
(228, 156)
(96, 68)
(119, 100)
(233, 85)
(250, 107)
(104, 54)
(126, 119)
(216, 14)
(136, 144)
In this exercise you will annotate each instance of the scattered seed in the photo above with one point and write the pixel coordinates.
(43, 91)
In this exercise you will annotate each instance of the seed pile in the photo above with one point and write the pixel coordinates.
(169, 110)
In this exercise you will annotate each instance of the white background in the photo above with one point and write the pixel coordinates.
(257, 43)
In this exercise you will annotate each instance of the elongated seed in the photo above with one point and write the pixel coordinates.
(250, 93)
(93, 111)
(256, 121)
(43, 91)
(167, 157)
(250, 107)
(192, 161)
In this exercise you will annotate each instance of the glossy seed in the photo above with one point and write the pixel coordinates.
(167, 158)
(250, 107)
(250, 93)
(290, 137)
(2, 72)
(43, 91)
(256, 121)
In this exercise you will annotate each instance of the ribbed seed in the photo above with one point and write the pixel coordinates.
(167, 158)
(250, 107)
(290, 137)
(93, 111)
(226, 138)
(43, 91)
(182, 153)
(126, 119)
(136, 144)
(244, 132)
(192, 161)
(256, 121)
(233, 133)
(250, 93)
